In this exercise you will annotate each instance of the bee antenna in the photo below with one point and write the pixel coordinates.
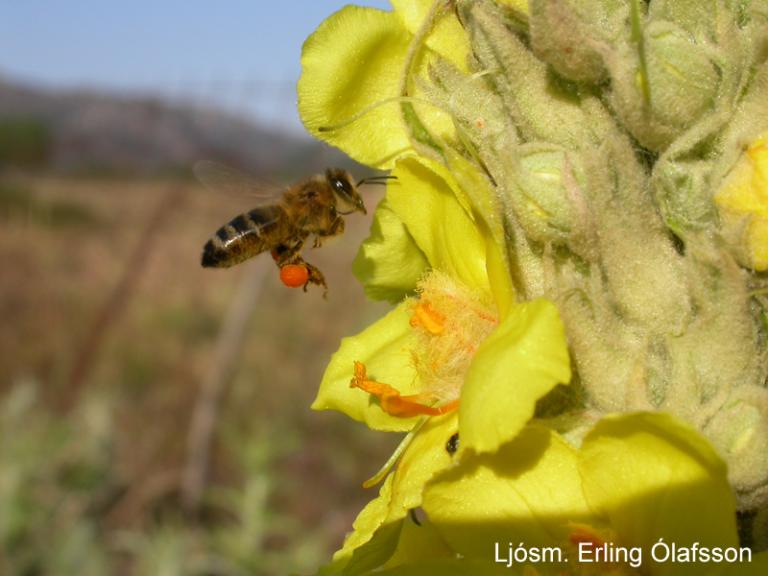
(381, 180)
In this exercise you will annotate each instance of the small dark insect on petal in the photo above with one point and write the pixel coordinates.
(414, 516)
(453, 444)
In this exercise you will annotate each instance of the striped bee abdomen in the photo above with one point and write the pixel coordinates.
(245, 236)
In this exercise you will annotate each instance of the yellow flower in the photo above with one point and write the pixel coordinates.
(460, 338)
(636, 481)
(743, 203)
(448, 361)
(434, 231)
(360, 63)
(639, 484)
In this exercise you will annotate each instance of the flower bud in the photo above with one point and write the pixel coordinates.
(543, 110)
(518, 6)
(740, 432)
(697, 17)
(671, 84)
(683, 81)
(545, 189)
(574, 36)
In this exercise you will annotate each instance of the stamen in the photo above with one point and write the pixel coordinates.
(396, 405)
(389, 464)
(370, 108)
(583, 533)
(428, 318)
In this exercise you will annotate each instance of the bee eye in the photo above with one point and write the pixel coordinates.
(339, 185)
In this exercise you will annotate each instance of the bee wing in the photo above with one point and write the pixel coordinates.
(219, 178)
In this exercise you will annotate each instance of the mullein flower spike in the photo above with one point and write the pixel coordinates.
(581, 186)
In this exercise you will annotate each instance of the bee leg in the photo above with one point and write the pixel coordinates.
(335, 229)
(315, 277)
(284, 254)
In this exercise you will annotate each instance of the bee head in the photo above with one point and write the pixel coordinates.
(345, 192)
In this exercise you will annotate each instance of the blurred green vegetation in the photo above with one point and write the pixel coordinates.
(54, 477)
(24, 141)
(19, 203)
(58, 482)
(90, 474)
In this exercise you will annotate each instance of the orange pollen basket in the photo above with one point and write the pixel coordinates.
(428, 318)
(396, 405)
(294, 275)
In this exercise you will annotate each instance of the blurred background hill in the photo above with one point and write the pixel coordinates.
(98, 132)
(154, 415)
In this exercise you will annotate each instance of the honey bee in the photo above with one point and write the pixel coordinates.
(282, 220)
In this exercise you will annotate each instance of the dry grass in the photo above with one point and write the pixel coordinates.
(59, 271)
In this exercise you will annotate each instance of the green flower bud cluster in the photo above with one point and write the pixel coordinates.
(606, 128)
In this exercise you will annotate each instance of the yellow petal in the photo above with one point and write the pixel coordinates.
(385, 349)
(743, 203)
(476, 195)
(426, 456)
(528, 491)
(520, 362)
(447, 37)
(371, 542)
(425, 200)
(654, 477)
(389, 263)
(354, 60)
(377, 528)
(758, 567)
(499, 278)
(418, 542)
(460, 567)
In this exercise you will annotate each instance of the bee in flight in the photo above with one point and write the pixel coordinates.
(282, 220)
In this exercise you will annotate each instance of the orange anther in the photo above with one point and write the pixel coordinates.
(294, 275)
(377, 389)
(585, 534)
(396, 405)
(428, 318)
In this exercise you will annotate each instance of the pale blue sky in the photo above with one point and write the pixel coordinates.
(242, 54)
